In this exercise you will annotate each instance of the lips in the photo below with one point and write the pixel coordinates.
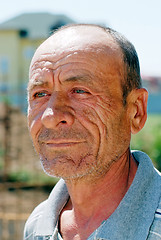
(57, 143)
(61, 138)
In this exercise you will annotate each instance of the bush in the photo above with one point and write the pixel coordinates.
(149, 140)
(23, 176)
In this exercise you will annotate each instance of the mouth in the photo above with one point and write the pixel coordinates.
(61, 143)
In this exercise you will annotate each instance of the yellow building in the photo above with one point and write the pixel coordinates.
(19, 37)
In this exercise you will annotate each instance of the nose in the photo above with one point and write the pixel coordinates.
(57, 113)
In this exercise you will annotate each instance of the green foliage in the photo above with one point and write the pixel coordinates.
(19, 176)
(23, 176)
(1, 157)
(5, 99)
(149, 140)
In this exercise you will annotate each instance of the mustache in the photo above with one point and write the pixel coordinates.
(48, 134)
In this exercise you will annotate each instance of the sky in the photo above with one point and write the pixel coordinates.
(139, 21)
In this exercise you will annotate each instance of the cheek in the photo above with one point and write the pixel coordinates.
(34, 122)
(99, 116)
(91, 120)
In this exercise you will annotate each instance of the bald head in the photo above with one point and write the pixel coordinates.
(79, 38)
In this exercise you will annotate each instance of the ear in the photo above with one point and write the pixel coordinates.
(139, 100)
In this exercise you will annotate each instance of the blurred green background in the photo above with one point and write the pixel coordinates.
(148, 139)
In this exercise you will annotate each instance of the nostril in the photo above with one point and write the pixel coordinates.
(63, 121)
(51, 118)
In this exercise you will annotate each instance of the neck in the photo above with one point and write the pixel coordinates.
(87, 199)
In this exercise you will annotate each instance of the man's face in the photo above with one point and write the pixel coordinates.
(76, 116)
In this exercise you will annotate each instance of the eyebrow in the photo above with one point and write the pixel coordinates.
(79, 78)
(41, 83)
(37, 83)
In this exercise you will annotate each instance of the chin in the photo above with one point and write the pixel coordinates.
(66, 168)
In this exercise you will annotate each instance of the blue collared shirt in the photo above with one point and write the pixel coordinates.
(138, 216)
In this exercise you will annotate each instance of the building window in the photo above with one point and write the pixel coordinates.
(28, 52)
(23, 33)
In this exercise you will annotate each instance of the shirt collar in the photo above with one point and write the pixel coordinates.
(55, 203)
(135, 213)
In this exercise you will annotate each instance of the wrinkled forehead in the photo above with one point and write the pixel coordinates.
(78, 39)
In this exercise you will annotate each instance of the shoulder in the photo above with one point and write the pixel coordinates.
(43, 219)
(155, 229)
(31, 223)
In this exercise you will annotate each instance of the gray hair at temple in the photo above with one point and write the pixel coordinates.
(131, 60)
(132, 77)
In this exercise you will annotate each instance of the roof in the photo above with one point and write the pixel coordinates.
(36, 25)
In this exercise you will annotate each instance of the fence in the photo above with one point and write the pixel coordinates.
(23, 185)
(11, 225)
(16, 203)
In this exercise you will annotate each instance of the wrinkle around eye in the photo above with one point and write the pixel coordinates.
(37, 97)
(81, 91)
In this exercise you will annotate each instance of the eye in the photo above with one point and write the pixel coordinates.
(40, 94)
(80, 91)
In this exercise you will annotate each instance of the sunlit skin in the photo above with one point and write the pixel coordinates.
(79, 125)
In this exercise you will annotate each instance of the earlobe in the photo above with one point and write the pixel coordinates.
(140, 97)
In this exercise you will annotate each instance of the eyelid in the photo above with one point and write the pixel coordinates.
(35, 91)
(40, 92)
(81, 89)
